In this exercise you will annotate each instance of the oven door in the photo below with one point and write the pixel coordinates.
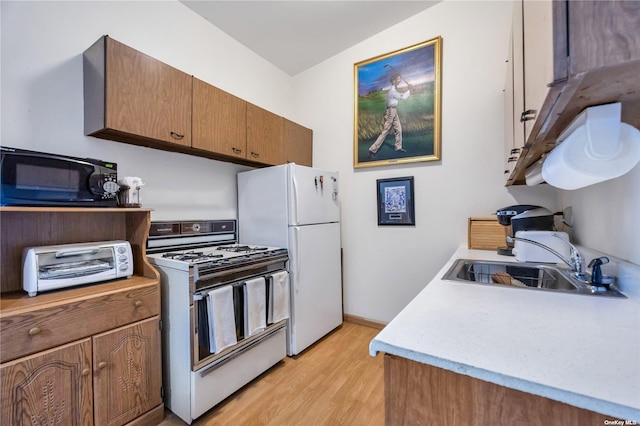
(201, 352)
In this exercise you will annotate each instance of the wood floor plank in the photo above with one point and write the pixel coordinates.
(334, 382)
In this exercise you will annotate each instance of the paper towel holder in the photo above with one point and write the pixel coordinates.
(595, 147)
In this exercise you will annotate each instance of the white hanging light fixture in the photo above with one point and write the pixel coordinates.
(595, 147)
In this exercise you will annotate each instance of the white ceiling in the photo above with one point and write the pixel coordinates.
(296, 35)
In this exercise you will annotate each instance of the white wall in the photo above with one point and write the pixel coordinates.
(385, 267)
(606, 216)
(42, 101)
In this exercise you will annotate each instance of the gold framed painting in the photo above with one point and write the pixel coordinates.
(397, 106)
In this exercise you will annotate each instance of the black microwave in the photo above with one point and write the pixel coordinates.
(31, 178)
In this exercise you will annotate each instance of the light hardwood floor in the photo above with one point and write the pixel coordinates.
(334, 382)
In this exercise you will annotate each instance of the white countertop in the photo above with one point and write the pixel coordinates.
(578, 349)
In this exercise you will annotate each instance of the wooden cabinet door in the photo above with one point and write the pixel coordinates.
(145, 97)
(219, 121)
(265, 132)
(538, 57)
(127, 372)
(514, 94)
(298, 144)
(417, 393)
(50, 388)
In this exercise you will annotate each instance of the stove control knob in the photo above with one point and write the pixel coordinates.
(196, 227)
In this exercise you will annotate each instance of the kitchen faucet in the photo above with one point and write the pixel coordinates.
(575, 263)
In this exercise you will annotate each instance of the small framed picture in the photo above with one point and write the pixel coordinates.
(396, 202)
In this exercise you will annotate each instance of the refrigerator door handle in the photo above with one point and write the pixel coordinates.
(296, 267)
(294, 201)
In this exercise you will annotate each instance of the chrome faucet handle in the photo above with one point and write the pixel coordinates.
(576, 258)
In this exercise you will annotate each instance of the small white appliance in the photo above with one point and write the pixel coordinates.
(68, 265)
(298, 207)
(527, 252)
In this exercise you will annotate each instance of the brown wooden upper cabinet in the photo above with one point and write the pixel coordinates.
(219, 121)
(265, 133)
(577, 54)
(298, 144)
(129, 96)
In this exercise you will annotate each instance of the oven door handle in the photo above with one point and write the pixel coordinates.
(234, 353)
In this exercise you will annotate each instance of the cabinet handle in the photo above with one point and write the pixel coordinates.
(137, 303)
(102, 365)
(86, 372)
(512, 159)
(176, 135)
(34, 331)
(527, 115)
(255, 154)
(236, 150)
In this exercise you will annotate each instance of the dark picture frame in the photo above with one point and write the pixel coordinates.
(396, 201)
(411, 78)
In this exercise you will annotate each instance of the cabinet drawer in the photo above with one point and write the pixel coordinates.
(52, 325)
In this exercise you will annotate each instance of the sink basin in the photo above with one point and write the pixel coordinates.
(534, 276)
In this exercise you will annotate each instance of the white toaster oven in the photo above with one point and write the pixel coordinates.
(54, 267)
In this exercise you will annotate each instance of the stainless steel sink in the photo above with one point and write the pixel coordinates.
(522, 275)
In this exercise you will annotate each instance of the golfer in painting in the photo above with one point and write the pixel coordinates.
(391, 119)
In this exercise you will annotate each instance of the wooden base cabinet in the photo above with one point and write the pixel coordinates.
(87, 355)
(420, 394)
(127, 360)
(49, 388)
(110, 379)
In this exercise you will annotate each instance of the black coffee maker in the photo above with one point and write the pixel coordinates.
(523, 217)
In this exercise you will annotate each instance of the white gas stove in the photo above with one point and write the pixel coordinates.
(196, 259)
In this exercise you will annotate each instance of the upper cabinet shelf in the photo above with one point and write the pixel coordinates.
(131, 97)
(595, 60)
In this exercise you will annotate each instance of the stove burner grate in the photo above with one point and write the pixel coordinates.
(240, 249)
(192, 255)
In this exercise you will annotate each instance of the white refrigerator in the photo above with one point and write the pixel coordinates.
(298, 207)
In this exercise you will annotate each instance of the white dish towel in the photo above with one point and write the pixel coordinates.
(278, 297)
(222, 323)
(255, 306)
